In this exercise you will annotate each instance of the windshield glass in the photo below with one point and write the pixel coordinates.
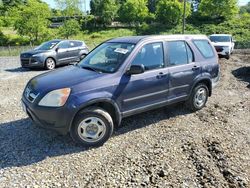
(220, 38)
(47, 45)
(107, 57)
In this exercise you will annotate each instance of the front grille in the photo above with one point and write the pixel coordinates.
(30, 94)
(25, 61)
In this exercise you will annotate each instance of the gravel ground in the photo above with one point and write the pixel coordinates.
(169, 147)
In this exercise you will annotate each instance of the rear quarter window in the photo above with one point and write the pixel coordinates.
(205, 48)
(78, 43)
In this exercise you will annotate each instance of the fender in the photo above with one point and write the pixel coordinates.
(91, 99)
(202, 78)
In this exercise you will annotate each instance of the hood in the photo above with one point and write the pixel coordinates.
(61, 78)
(33, 52)
(221, 43)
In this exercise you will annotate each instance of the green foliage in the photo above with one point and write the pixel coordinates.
(218, 9)
(69, 28)
(68, 7)
(152, 5)
(109, 11)
(134, 11)
(31, 20)
(169, 12)
(105, 10)
(245, 9)
(6, 5)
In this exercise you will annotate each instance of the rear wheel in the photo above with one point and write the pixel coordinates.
(92, 127)
(198, 97)
(50, 64)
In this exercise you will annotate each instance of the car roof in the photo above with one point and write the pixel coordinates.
(60, 40)
(220, 35)
(136, 39)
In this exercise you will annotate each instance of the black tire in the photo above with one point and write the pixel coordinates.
(192, 102)
(50, 64)
(227, 56)
(82, 56)
(76, 131)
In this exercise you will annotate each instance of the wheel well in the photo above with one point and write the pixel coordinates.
(51, 58)
(208, 84)
(108, 107)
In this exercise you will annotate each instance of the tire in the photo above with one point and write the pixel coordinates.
(198, 98)
(50, 64)
(82, 56)
(227, 56)
(92, 127)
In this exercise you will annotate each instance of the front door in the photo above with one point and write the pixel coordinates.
(63, 53)
(149, 88)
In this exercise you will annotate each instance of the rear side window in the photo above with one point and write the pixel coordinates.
(205, 48)
(78, 43)
(64, 44)
(179, 53)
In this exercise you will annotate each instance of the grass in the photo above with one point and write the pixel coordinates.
(92, 39)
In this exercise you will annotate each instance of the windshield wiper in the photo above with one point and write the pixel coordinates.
(91, 68)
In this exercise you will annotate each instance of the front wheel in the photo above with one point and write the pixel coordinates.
(50, 64)
(92, 127)
(82, 56)
(198, 98)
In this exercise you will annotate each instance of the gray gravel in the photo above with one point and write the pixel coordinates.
(168, 147)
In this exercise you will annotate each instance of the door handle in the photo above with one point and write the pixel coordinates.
(195, 68)
(161, 75)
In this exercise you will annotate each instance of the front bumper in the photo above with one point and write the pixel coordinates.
(58, 119)
(31, 62)
(222, 50)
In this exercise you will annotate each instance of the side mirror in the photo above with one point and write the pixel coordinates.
(233, 40)
(136, 69)
(57, 48)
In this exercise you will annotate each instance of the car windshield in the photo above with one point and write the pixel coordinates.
(220, 38)
(47, 45)
(107, 57)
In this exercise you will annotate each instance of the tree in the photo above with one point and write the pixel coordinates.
(69, 7)
(170, 12)
(152, 5)
(69, 28)
(95, 7)
(32, 19)
(8, 4)
(245, 9)
(105, 10)
(134, 11)
(218, 9)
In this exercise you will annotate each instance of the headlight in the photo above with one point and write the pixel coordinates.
(55, 98)
(37, 55)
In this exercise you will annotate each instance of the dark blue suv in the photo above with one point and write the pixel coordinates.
(119, 78)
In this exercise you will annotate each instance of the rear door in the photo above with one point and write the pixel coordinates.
(74, 50)
(183, 69)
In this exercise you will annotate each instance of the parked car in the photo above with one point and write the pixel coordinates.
(55, 52)
(120, 78)
(223, 43)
